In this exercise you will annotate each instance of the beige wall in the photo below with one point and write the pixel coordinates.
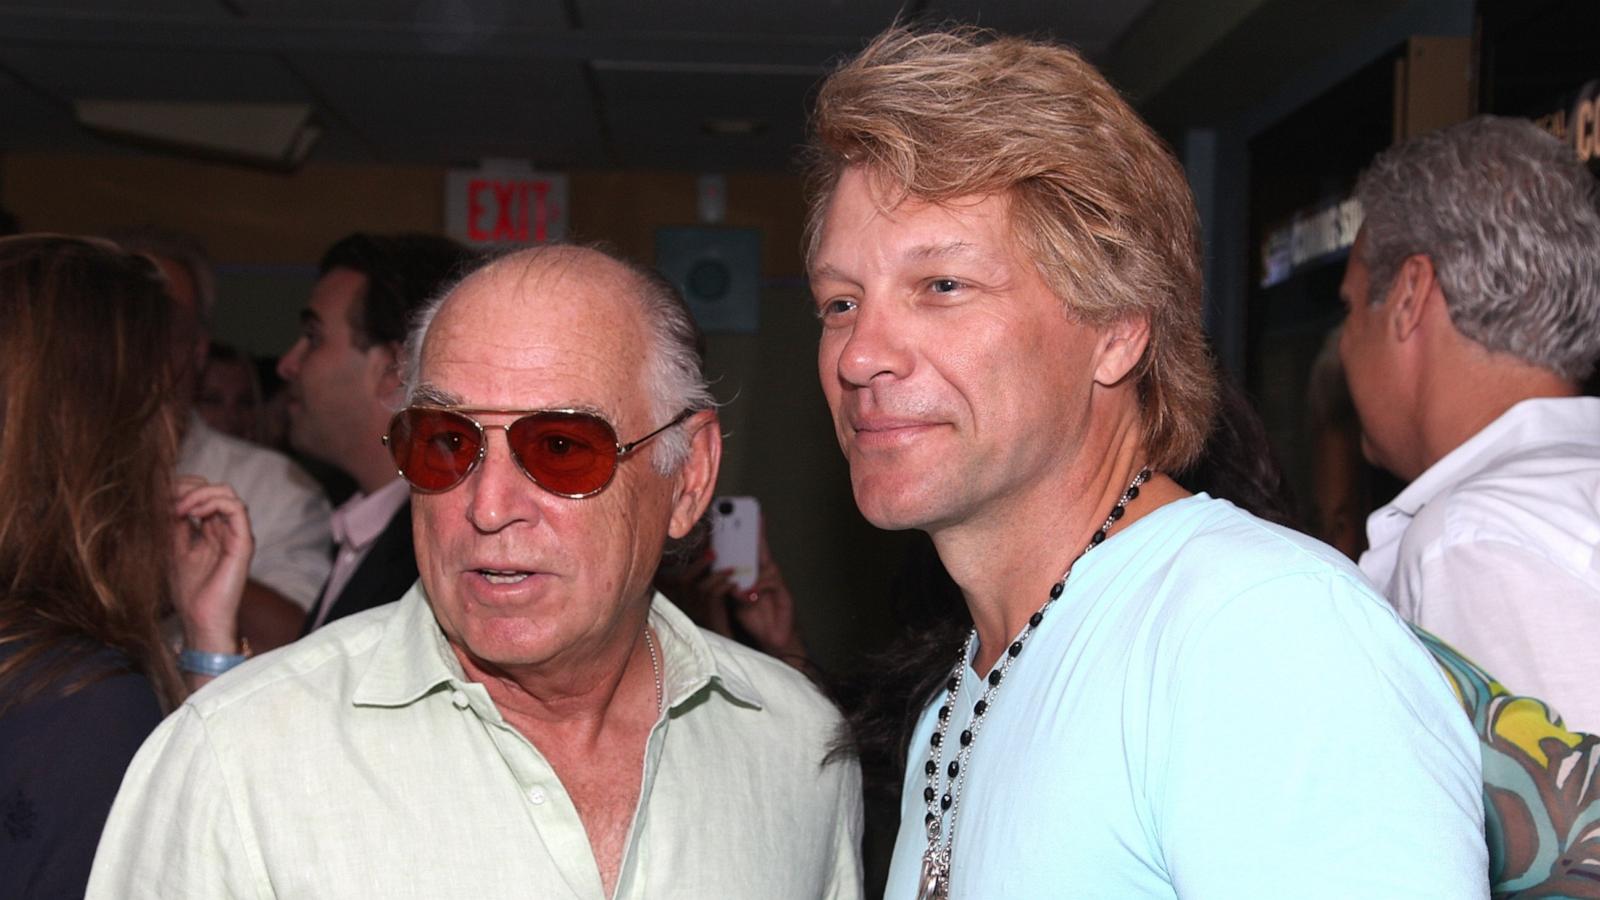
(242, 215)
(254, 217)
(266, 230)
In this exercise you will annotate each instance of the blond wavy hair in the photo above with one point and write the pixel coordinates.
(1098, 201)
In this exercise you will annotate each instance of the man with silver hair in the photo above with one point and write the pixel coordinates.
(1473, 315)
(530, 719)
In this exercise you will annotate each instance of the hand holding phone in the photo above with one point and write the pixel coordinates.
(736, 538)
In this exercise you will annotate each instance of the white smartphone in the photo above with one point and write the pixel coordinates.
(735, 538)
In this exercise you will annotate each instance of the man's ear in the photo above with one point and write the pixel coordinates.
(697, 477)
(1120, 347)
(1413, 288)
(384, 360)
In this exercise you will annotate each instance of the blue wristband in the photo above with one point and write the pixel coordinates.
(197, 662)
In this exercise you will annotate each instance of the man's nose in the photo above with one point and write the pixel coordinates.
(502, 494)
(879, 345)
(289, 362)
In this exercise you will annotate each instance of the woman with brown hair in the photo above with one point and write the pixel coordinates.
(98, 541)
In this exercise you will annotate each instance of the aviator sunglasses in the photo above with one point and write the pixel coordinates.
(567, 452)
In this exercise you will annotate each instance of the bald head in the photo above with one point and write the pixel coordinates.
(521, 575)
(531, 293)
(584, 309)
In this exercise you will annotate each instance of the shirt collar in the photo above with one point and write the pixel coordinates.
(413, 659)
(1537, 422)
(358, 521)
(689, 665)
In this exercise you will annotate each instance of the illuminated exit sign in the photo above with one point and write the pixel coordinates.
(503, 205)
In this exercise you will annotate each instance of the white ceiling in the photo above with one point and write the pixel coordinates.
(562, 83)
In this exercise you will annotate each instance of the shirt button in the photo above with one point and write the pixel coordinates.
(459, 698)
(536, 796)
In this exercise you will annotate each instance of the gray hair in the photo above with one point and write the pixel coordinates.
(673, 370)
(1511, 222)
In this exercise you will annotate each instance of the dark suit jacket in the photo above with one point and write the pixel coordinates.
(389, 569)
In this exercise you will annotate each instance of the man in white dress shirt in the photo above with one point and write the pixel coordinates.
(1473, 296)
(288, 511)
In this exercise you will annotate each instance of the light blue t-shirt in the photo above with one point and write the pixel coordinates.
(1215, 708)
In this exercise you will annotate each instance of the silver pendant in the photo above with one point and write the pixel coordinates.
(934, 883)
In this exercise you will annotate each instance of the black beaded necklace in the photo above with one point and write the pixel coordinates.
(934, 883)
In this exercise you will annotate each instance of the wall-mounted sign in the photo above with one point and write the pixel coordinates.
(1310, 237)
(503, 205)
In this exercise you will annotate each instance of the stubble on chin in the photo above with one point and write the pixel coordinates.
(888, 498)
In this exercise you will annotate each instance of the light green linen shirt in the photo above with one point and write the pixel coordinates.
(358, 762)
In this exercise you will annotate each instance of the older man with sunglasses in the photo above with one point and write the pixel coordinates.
(530, 720)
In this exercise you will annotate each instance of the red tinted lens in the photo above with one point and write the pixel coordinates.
(434, 448)
(566, 453)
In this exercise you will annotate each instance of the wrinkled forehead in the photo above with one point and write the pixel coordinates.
(556, 330)
(861, 188)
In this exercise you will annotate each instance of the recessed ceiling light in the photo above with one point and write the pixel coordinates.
(733, 127)
(275, 135)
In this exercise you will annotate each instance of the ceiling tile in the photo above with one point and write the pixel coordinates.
(419, 108)
(477, 15)
(34, 123)
(74, 73)
(1091, 26)
(662, 116)
(202, 9)
(730, 93)
(665, 142)
(397, 80)
(751, 20)
(340, 143)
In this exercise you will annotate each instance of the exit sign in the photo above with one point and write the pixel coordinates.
(505, 206)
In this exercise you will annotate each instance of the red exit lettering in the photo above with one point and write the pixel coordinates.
(515, 211)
